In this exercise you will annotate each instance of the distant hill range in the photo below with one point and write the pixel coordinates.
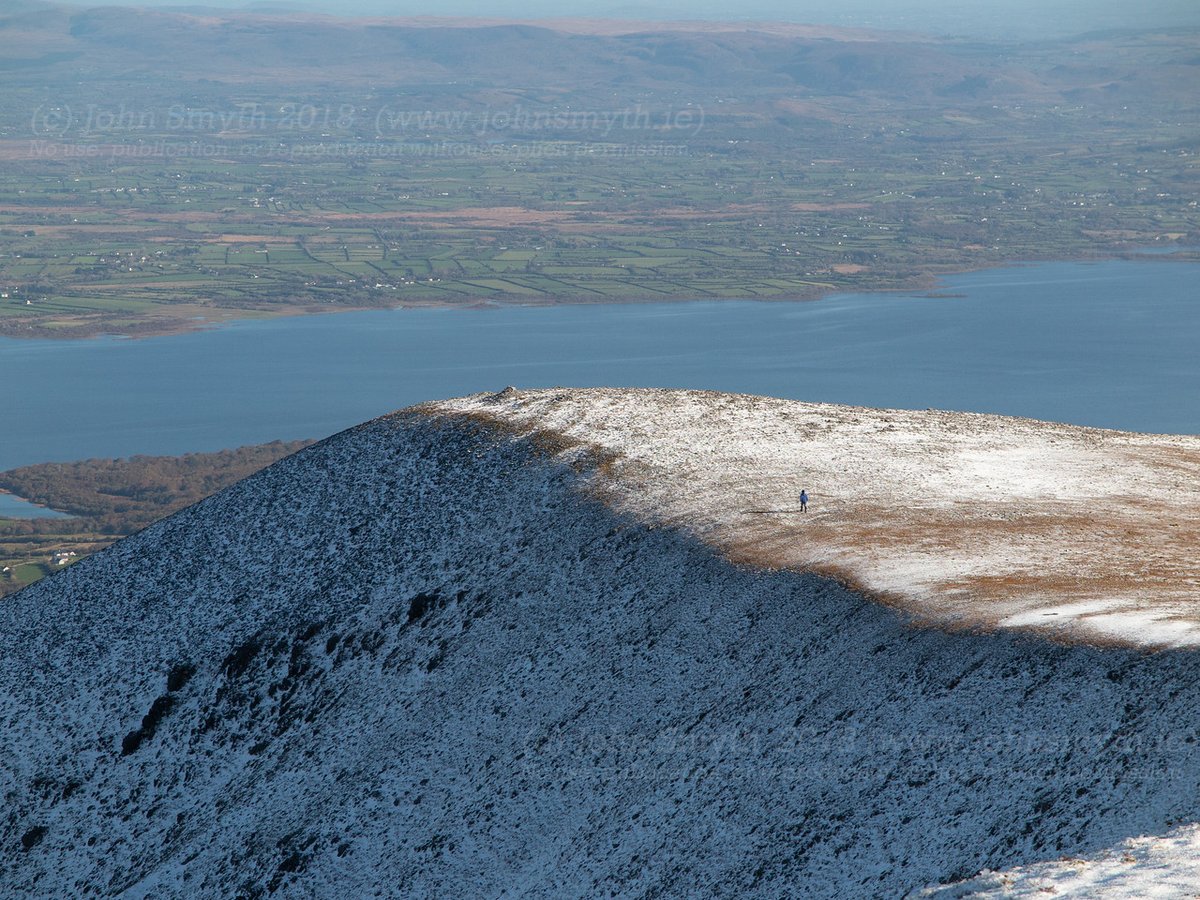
(465, 650)
(130, 44)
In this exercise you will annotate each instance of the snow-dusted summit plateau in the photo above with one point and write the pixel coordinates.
(961, 519)
(570, 644)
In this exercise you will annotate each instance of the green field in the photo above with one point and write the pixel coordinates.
(254, 247)
(783, 191)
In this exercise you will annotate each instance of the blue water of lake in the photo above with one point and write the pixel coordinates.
(1110, 344)
(15, 508)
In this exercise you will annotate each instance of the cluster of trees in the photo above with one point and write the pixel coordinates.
(120, 496)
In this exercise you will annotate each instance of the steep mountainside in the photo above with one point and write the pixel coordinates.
(425, 658)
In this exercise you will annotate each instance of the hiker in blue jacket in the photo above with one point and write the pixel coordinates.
(803, 501)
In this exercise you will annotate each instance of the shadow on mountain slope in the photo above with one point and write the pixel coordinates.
(416, 659)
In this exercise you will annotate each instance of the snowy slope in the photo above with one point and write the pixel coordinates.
(959, 518)
(422, 658)
(1165, 867)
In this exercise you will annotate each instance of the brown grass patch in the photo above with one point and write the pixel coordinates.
(253, 239)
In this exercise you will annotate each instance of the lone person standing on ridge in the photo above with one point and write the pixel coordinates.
(803, 501)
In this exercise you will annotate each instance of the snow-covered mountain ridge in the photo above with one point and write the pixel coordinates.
(443, 655)
(962, 519)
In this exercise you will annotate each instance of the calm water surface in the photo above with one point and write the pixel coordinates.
(16, 508)
(1112, 344)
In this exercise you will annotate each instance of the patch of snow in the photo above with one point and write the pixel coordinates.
(1167, 867)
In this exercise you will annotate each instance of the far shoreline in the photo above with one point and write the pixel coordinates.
(155, 326)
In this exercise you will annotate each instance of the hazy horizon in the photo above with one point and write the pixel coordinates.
(1008, 19)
